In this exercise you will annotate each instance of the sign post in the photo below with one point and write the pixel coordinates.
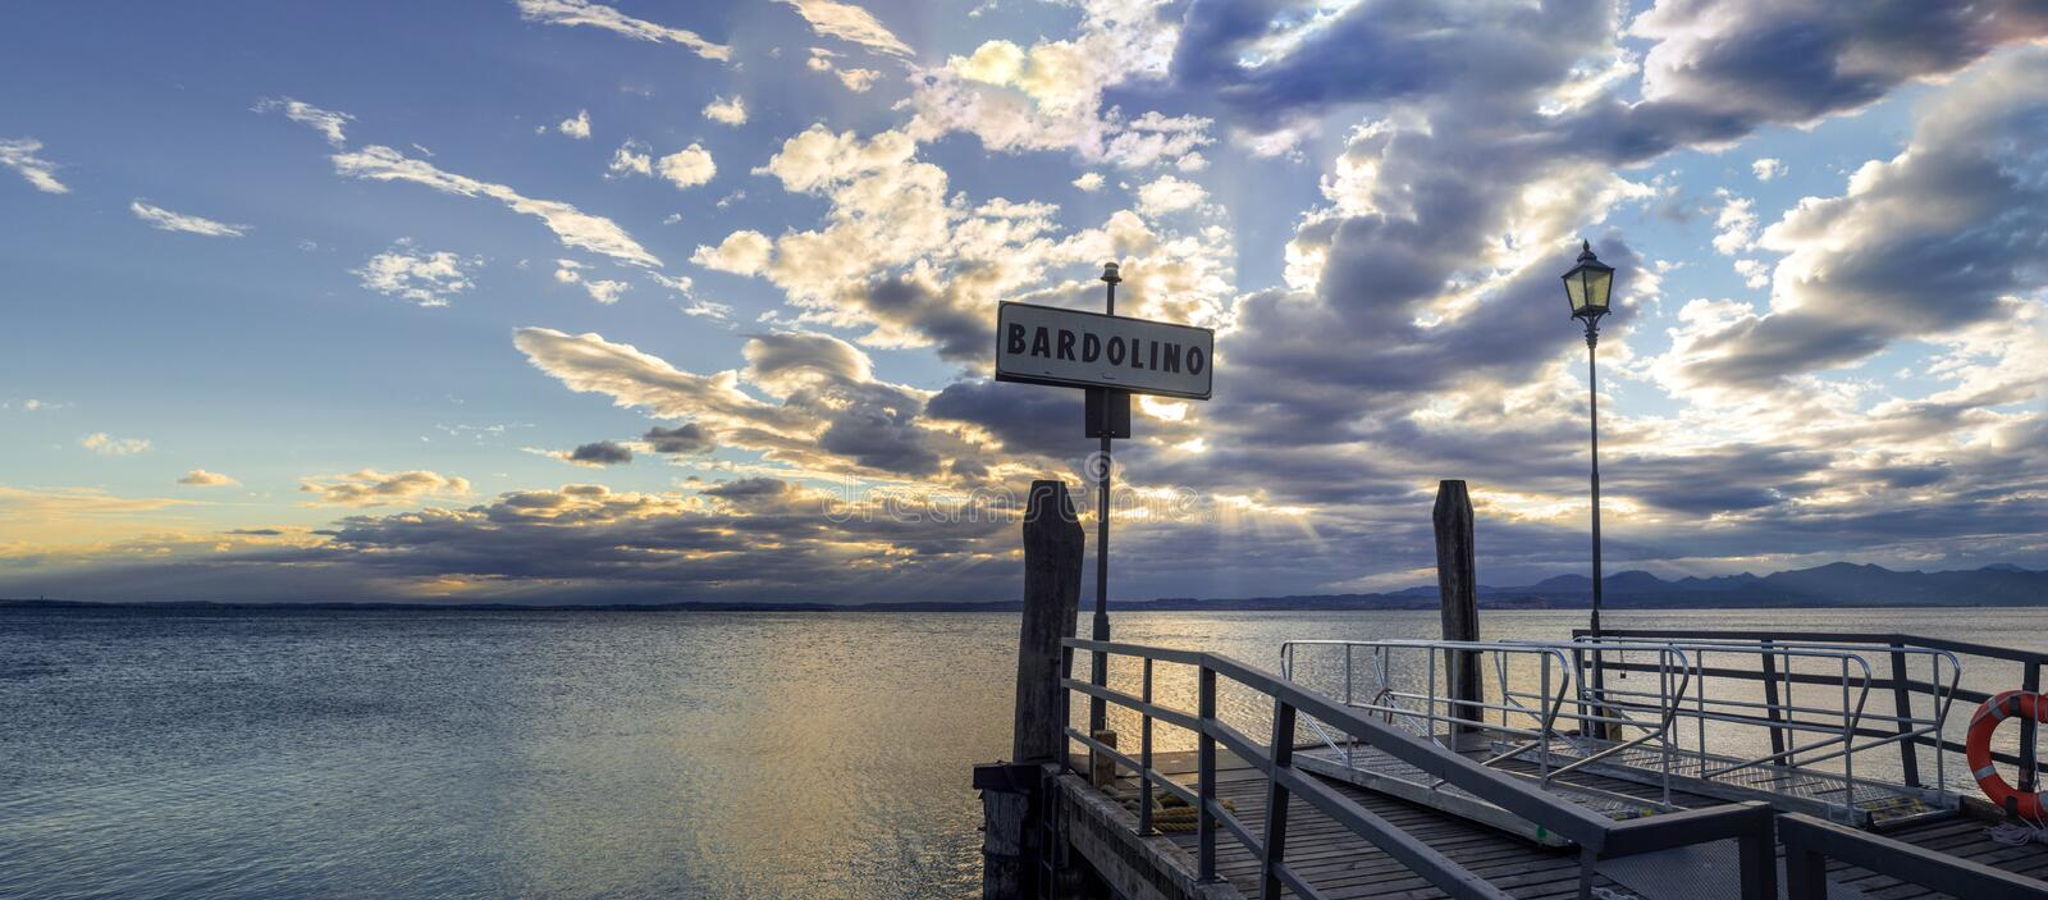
(1111, 357)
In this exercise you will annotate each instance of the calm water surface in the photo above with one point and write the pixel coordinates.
(324, 754)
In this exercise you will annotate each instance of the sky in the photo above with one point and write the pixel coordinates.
(563, 301)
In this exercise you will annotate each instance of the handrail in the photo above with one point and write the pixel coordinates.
(1547, 721)
(1599, 837)
(1898, 647)
(1811, 842)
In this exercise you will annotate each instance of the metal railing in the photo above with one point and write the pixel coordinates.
(1530, 712)
(1811, 842)
(1599, 838)
(1902, 654)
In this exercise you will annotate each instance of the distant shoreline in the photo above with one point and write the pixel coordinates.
(1831, 586)
(1009, 606)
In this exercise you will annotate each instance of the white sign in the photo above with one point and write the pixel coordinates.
(1048, 345)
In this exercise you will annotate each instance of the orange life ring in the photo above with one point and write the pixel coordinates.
(1978, 750)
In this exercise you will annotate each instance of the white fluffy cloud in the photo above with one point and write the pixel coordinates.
(203, 478)
(409, 273)
(106, 445)
(331, 125)
(1048, 96)
(575, 228)
(19, 154)
(1735, 223)
(1091, 181)
(857, 80)
(576, 126)
(164, 220)
(688, 167)
(727, 111)
(632, 158)
(369, 487)
(1767, 168)
(598, 15)
(850, 23)
(1168, 194)
(741, 253)
(569, 271)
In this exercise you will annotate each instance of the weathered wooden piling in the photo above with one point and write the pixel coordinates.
(1457, 583)
(1014, 805)
(1053, 545)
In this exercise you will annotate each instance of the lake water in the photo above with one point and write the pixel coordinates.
(324, 754)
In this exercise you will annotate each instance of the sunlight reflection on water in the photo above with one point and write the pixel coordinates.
(556, 754)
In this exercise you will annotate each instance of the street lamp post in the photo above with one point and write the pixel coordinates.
(1589, 286)
(1099, 673)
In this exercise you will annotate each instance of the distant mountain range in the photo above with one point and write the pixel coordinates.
(1831, 585)
(1835, 584)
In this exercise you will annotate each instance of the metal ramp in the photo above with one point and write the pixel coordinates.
(1864, 803)
(1377, 771)
(1546, 716)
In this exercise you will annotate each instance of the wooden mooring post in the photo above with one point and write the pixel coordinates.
(1457, 584)
(1019, 858)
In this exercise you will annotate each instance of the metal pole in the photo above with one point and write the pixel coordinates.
(1099, 676)
(1593, 389)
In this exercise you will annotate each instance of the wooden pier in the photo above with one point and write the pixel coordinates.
(1079, 814)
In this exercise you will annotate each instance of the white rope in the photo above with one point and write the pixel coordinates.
(2016, 834)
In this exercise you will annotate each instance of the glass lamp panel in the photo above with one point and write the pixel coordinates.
(1598, 285)
(1575, 289)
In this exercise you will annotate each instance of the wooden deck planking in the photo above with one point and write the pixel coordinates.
(1345, 866)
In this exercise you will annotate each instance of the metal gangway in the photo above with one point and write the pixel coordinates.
(1632, 727)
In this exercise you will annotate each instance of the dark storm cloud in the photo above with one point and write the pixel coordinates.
(748, 487)
(1381, 50)
(684, 439)
(601, 453)
(957, 327)
(1719, 70)
(1027, 419)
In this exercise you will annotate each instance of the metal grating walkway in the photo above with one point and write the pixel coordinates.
(1789, 788)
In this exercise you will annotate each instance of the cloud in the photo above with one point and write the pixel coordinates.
(903, 256)
(576, 229)
(412, 274)
(1049, 95)
(370, 487)
(727, 111)
(203, 478)
(599, 454)
(632, 158)
(808, 402)
(598, 15)
(164, 220)
(1091, 181)
(1932, 240)
(19, 154)
(1767, 169)
(743, 252)
(688, 167)
(576, 126)
(1736, 223)
(1168, 194)
(856, 80)
(331, 125)
(569, 271)
(101, 443)
(688, 438)
(849, 23)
